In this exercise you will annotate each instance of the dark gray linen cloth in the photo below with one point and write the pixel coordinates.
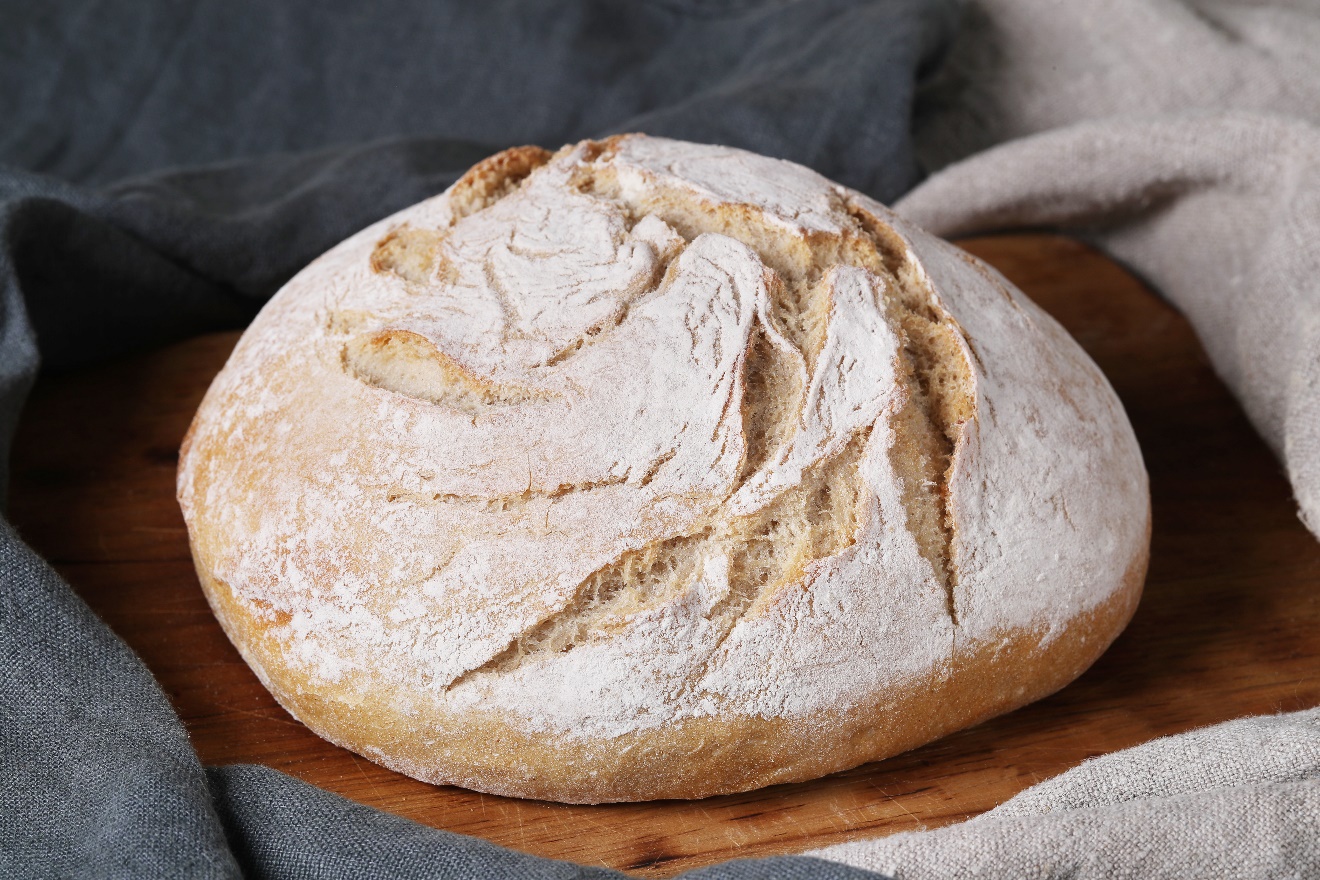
(165, 167)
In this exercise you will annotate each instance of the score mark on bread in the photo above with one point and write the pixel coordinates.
(408, 363)
(654, 462)
(772, 547)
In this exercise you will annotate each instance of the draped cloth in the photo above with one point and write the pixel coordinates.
(1181, 138)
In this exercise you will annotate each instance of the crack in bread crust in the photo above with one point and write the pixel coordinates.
(812, 521)
(808, 521)
(818, 518)
(410, 364)
(492, 179)
(765, 552)
(935, 371)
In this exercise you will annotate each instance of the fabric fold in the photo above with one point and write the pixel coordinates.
(1219, 212)
(1236, 800)
(99, 777)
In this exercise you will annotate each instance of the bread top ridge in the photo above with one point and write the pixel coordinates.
(645, 430)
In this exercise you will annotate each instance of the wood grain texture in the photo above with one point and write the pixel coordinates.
(1229, 626)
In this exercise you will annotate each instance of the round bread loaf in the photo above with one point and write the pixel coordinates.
(649, 469)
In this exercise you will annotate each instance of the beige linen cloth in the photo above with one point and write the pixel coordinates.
(1182, 138)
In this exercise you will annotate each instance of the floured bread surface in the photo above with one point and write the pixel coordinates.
(649, 469)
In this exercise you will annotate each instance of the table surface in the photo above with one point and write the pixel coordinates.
(1229, 624)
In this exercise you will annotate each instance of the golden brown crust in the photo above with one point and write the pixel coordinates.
(719, 755)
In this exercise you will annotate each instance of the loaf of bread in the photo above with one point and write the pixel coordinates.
(647, 469)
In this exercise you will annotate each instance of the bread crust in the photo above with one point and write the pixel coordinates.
(720, 755)
(896, 499)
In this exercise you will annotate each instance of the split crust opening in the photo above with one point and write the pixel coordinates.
(774, 547)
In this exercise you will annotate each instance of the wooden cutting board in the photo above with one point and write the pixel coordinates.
(1229, 625)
